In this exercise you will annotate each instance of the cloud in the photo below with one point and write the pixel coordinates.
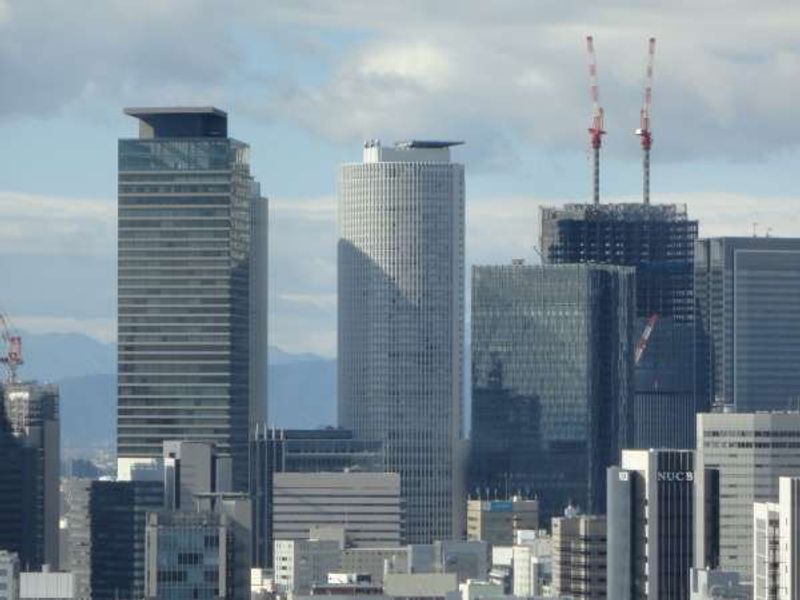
(34, 224)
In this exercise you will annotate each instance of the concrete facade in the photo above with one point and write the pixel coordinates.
(579, 557)
(497, 521)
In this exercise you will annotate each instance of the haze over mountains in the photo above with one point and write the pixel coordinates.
(302, 387)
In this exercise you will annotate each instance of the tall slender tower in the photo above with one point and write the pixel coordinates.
(191, 296)
(401, 312)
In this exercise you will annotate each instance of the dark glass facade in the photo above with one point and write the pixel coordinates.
(748, 322)
(191, 298)
(658, 240)
(552, 371)
(118, 511)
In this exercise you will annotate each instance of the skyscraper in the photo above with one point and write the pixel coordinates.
(191, 291)
(649, 525)
(658, 240)
(559, 337)
(748, 322)
(30, 454)
(401, 312)
(750, 452)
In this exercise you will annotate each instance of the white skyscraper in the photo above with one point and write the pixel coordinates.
(401, 312)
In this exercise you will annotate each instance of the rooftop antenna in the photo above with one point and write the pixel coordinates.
(644, 131)
(596, 131)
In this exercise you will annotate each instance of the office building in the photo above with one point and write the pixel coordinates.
(191, 289)
(29, 472)
(649, 525)
(656, 239)
(326, 450)
(532, 567)
(367, 506)
(46, 585)
(766, 550)
(195, 554)
(9, 575)
(76, 556)
(299, 564)
(497, 521)
(401, 315)
(747, 322)
(375, 562)
(420, 585)
(466, 559)
(710, 584)
(579, 557)
(749, 452)
(118, 511)
(559, 336)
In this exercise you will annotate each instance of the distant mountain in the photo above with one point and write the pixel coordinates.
(55, 356)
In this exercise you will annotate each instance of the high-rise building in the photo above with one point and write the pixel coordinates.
(30, 454)
(656, 239)
(401, 322)
(367, 506)
(559, 336)
(748, 322)
(749, 452)
(649, 525)
(118, 511)
(497, 521)
(191, 288)
(579, 557)
(776, 556)
(766, 550)
(77, 551)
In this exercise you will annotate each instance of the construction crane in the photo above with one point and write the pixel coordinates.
(644, 131)
(13, 357)
(641, 345)
(596, 131)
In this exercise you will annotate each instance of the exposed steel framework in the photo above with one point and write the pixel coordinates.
(13, 357)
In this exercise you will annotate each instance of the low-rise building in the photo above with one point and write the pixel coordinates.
(497, 521)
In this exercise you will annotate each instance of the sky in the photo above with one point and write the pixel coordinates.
(305, 82)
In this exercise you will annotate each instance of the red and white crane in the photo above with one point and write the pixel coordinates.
(641, 345)
(596, 131)
(13, 356)
(644, 131)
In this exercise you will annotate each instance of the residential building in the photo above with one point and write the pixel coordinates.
(748, 322)
(191, 289)
(367, 506)
(497, 521)
(401, 322)
(560, 336)
(579, 557)
(649, 525)
(766, 551)
(118, 511)
(749, 452)
(9, 575)
(657, 240)
(30, 447)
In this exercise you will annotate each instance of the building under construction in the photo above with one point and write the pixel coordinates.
(657, 239)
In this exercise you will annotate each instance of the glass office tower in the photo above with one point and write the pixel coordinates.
(192, 297)
(551, 378)
(658, 240)
(401, 315)
(748, 322)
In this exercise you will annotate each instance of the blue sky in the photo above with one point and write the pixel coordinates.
(305, 82)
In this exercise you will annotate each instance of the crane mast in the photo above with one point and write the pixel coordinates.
(13, 357)
(644, 131)
(596, 131)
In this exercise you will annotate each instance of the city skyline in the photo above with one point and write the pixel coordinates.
(518, 158)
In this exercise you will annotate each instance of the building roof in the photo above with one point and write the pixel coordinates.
(426, 144)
